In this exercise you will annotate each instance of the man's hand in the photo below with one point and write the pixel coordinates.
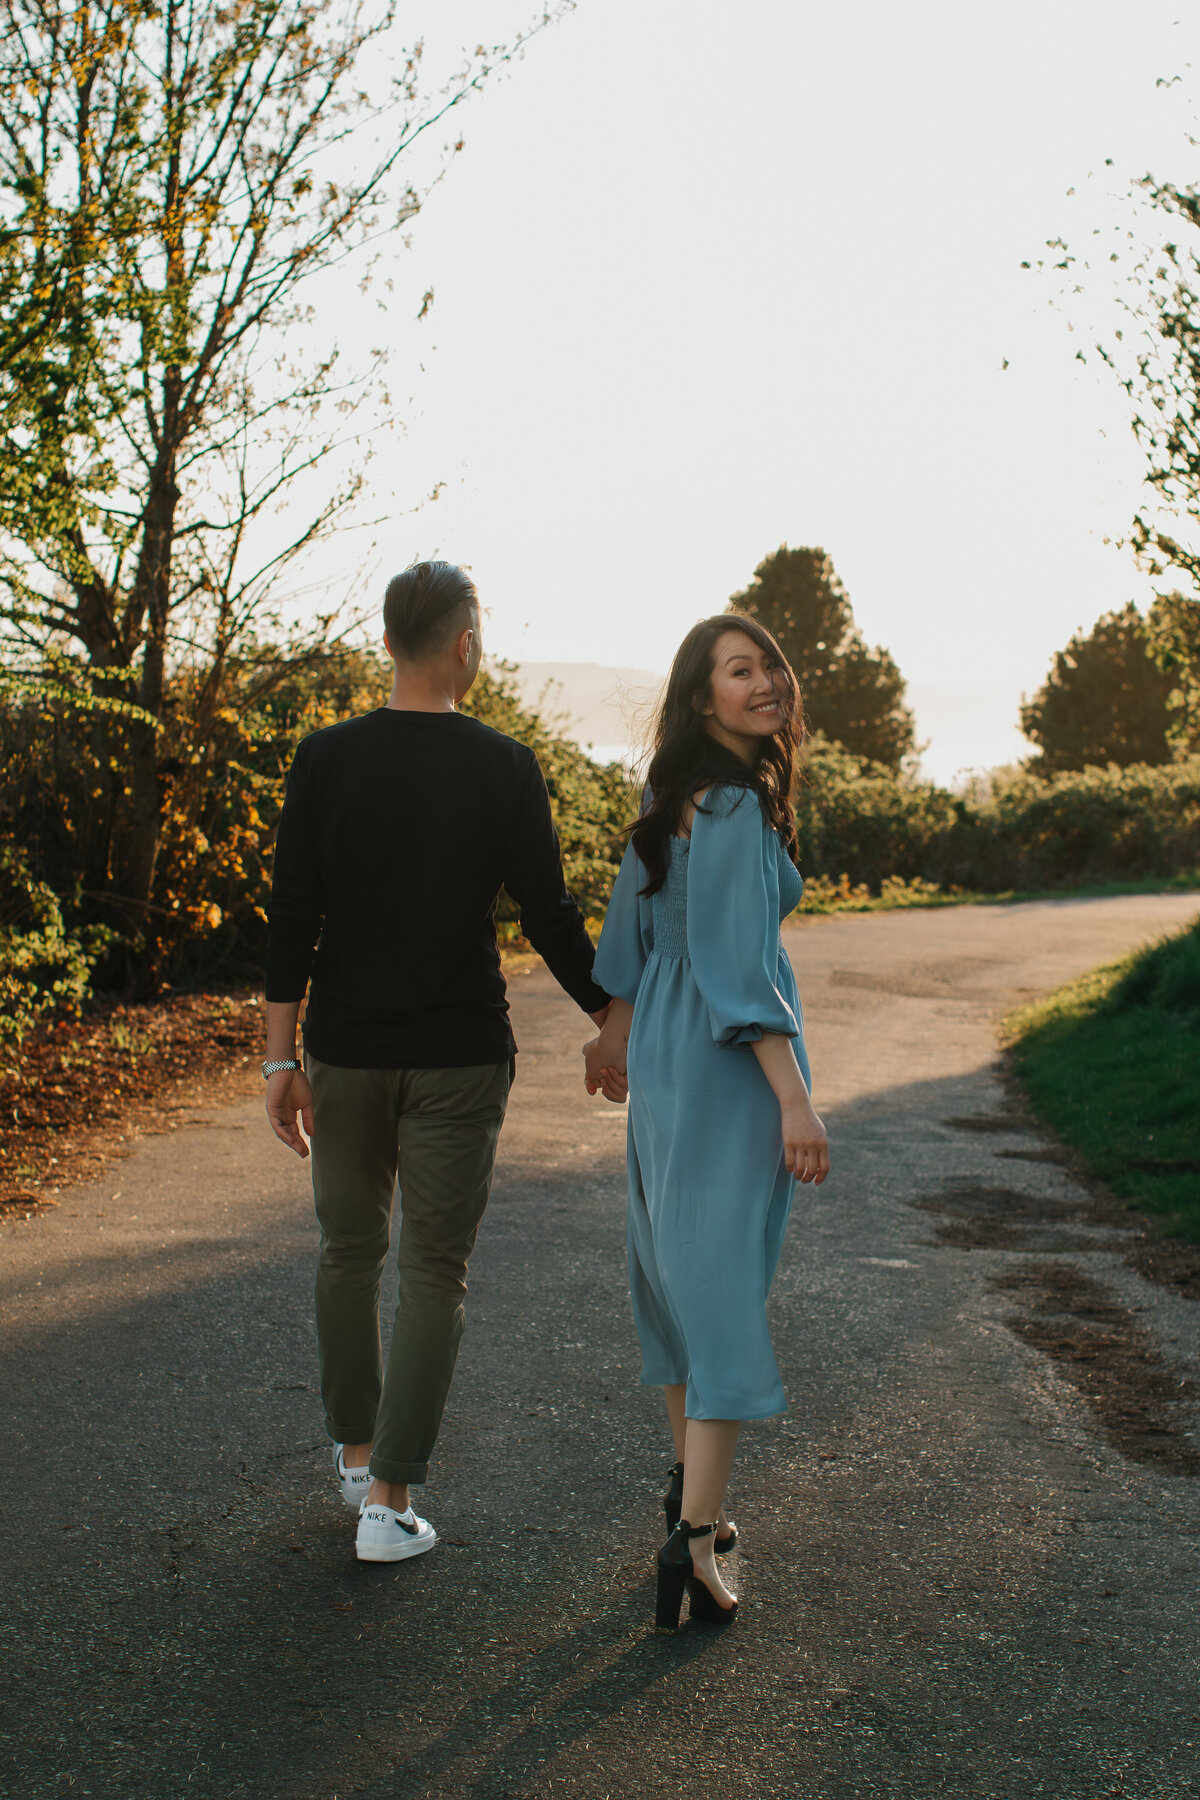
(602, 1078)
(288, 1093)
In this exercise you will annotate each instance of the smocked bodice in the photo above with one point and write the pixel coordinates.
(791, 883)
(669, 904)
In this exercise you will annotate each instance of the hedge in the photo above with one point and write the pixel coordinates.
(1010, 830)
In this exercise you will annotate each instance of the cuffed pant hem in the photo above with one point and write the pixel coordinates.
(381, 1470)
(350, 1437)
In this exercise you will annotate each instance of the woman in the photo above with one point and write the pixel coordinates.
(706, 1024)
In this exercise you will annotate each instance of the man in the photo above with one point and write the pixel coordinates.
(398, 830)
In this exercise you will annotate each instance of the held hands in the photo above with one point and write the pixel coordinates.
(605, 1056)
(805, 1144)
(288, 1093)
(601, 1076)
(595, 1079)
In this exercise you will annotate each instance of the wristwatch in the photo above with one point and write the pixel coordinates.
(277, 1068)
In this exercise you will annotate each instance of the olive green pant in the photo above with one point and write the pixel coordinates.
(437, 1129)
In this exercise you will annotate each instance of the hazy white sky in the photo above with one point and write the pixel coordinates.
(713, 276)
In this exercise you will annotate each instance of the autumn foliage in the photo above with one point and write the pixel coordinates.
(222, 773)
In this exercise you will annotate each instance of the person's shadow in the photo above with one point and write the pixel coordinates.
(562, 1693)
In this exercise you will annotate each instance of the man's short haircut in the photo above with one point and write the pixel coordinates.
(427, 607)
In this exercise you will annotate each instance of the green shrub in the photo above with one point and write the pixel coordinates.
(222, 773)
(1086, 826)
(43, 967)
(863, 825)
(221, 779)
(867, 835)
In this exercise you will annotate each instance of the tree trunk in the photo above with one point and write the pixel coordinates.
(134, 874)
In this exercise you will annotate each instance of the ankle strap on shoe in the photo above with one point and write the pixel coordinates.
(692, 1531)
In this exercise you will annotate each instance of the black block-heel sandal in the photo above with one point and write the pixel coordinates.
(677, 1571)
(673, 1506)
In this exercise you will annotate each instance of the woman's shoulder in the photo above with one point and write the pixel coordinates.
(715, 799)
(722, 799)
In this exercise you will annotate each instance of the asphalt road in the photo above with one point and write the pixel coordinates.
(952, 1584)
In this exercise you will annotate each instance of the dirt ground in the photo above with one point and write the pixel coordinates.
(81, 1088)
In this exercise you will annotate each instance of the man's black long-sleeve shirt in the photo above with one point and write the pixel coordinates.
(398, 831)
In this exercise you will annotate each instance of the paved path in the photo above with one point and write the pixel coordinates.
(951, 1585)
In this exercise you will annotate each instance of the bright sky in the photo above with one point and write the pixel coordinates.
(714, 275)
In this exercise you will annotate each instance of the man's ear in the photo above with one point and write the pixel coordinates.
(387, 644)
(465, 645)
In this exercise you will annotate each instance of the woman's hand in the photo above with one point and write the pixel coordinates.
(605, 1056)
(805, 1144)
(601, 1077)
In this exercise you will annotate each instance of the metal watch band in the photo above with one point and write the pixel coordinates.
(277, 1068)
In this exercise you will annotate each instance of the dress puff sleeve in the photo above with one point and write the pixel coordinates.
(733, 918)
(628, 935)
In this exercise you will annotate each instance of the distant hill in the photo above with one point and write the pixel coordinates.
(967, 724)
(607, 708)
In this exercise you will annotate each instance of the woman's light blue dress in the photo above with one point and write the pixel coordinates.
(704, 966)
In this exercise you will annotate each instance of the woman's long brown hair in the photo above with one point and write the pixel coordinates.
(686, 758)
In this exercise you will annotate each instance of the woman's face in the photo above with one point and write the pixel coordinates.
(747, 695)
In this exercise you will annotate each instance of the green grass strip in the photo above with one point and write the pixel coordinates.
(1112, 1062)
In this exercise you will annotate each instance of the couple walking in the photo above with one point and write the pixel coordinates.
(398, 831)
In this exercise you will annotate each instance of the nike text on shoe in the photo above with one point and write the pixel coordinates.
(385, 1535)
(353, 1482)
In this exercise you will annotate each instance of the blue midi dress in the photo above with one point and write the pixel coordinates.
(703, 965)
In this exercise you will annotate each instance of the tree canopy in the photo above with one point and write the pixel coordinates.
(1158, 363)
(1155, 355)
(1173, 628)
(853, 693)
(173, 173)
(1105, 700)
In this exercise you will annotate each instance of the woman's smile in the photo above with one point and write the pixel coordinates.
(744, 705)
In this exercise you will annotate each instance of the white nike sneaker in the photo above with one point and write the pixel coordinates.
(353, 1482)
(385, 1535)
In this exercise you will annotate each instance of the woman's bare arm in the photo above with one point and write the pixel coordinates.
(805, 1144)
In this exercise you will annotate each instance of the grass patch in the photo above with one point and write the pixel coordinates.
(1112, 1062)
